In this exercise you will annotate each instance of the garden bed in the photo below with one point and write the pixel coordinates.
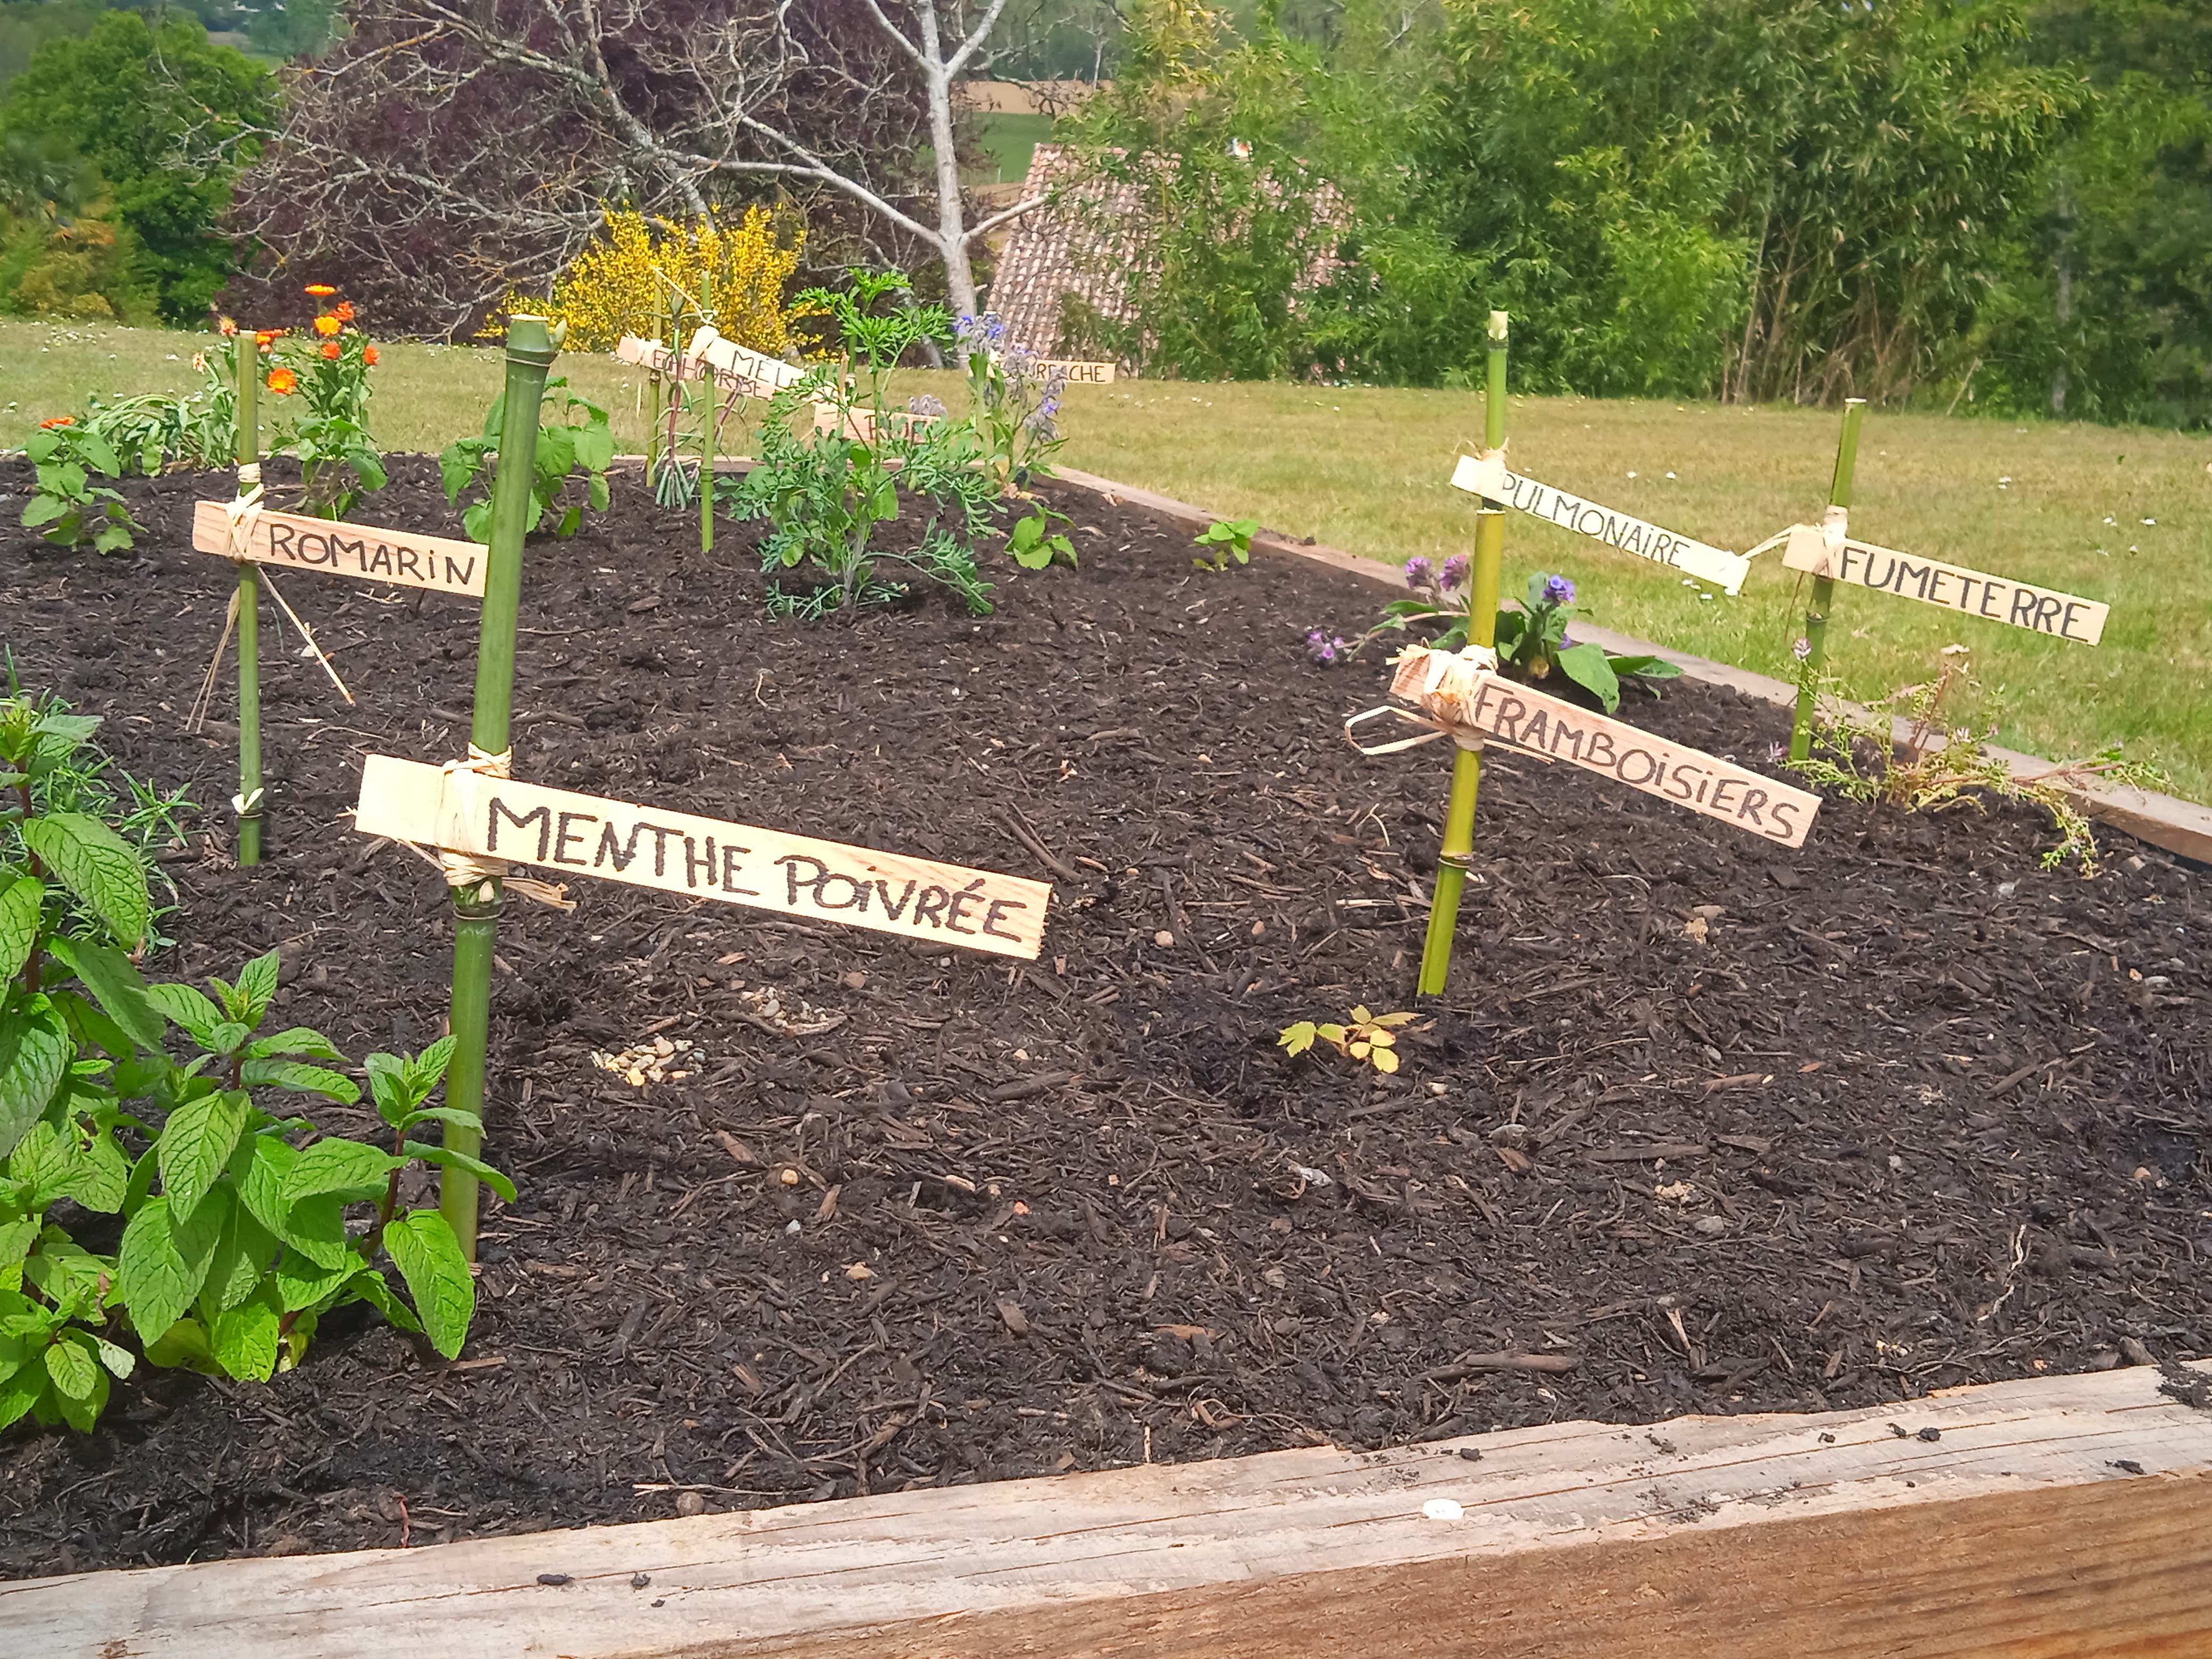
(1935, 1116)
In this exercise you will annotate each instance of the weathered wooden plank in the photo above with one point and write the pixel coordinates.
(360, 550)
(2003, 1522)
(702, 858)
(1953, 587)
(1552, 729)
(1489, 478)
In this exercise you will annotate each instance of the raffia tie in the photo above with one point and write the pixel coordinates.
(1440, 683)
(466, 870)
(245, 513)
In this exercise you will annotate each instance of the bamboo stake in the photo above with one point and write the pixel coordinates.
(249, 610)
(1481, 629)
(1823, 588)
(531, 348)
(710, 408)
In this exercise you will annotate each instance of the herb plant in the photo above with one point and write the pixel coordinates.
(1938, 765)
(1014, 401)
(1530, 638)
(235, 1238)
(574, 437)
(66, 506)
(827, 490)
(1366, 1039)
(1228, 539)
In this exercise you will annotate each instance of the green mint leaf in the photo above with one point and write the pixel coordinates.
(429, 1259)
(256, 988)
(20, 908)
(446, 1158)
(34, 1053)
(244, 1341)
(305, 1079)
(96, 865)
(196, 1143)
(337, 1165)
(189, 1010)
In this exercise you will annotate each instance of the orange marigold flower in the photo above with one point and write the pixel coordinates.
(59, 420)
(343, 311)
(265, 337)
(284, 382)
(330, 351)
(227, 327)
(327, 324)
(321, 290)
(369, 356)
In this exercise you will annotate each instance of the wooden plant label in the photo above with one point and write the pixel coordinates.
(358, 550)
(1078, 373)
(702, 858)
(1551, 729)
(735, 368)
(1488, 477)
(2023, 605)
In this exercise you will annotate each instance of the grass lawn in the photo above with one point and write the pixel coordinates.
(2112, 514)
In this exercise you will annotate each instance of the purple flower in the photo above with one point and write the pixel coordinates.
(1557, 590)
(1419, 572)
(1324, 648)
(1802, 651)
(980, 331)
(925, 404)
(1454, 571)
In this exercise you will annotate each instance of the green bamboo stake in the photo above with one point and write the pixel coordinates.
(531, 348)
(1481, 629)
(249, 611)
(1823, 588)
(712, 393)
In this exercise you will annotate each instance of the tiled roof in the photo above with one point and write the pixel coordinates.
(1082, 242)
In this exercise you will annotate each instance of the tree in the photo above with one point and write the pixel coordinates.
(168, 117)
(445, 151)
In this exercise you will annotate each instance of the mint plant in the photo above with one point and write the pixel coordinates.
(575, 445)
(240, 1229)
(66, 506)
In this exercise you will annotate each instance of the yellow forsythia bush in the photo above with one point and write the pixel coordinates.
(611, 287)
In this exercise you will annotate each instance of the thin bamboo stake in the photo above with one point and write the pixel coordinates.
(1481, 629)
(710, 408)
(531, 348)
(1824, 588)
(249, 800)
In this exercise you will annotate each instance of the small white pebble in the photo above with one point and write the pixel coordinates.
(1444, 1508)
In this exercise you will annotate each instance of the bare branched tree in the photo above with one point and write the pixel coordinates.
(449, 150)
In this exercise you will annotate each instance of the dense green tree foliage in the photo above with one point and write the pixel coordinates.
(167, 119)
(1965, 201)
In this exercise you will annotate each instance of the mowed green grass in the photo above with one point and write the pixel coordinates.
(2112, 514)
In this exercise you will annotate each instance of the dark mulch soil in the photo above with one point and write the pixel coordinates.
(1938, 1117)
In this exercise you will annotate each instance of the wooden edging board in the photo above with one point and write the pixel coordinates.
(2020, 1520)
(694, 857)
(363, 551)
(2166, 821)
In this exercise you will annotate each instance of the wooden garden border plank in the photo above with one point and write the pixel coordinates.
(2028, 1520)
(2167, 821)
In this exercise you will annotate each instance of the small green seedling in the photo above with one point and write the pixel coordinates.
(1366, 1039)
(1227, 539)
(1032, 549)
